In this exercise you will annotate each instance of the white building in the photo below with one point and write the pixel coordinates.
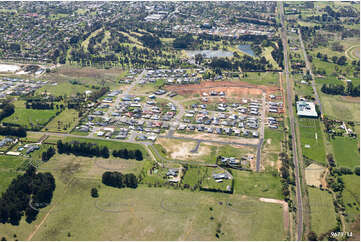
(306, 109)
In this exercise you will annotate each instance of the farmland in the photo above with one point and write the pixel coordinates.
(346, 151)
(311, 134)
(323, 217)
(30, 118)
(351, 199)
(170, 214)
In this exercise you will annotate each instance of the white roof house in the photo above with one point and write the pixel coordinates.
(306, 109)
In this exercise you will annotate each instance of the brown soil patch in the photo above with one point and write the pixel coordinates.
(313, 174)
(214, 137)
(182, 150)
(351, 99)
(238, 88)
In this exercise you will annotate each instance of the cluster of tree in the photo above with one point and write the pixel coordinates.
(7, 109)
(97, 94)
(247, 63)
(17, 131)
(256, 21)
(335, 89)
(27, 193)
(46, 155)
(286, 179)
(82, 149)
(150, 41)
(43, 105)
(128, 154)
(117, 179)
(342, 171)
(184, 42)
(277, 53)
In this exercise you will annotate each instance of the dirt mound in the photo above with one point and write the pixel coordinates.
(228, 87)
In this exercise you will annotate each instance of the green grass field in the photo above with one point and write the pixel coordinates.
(150, 214)
(257, 184)
(29, 117)
(351, 198)
(323, 217)
(203, 177)
(338, 108)
(261, 78)
(64, 122)
(8, 166)
(309, 129)
(346, 152)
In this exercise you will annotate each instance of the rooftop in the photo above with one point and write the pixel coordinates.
(306, 109)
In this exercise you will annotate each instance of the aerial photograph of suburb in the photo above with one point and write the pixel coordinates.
(179, 120)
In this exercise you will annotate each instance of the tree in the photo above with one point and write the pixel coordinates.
(138, 155)
(341, 61)
(94, 192)
(312, 236)
(357, 171)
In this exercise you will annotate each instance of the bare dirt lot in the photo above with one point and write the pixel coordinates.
(237, 88)
(313, 174)
(214, 137)
(182, 150)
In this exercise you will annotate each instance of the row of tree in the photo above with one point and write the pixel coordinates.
(339, 89)
(26, 194)
(7, 109)
(117, 179)
(42, 105)
(17, 131)
(128, 154)
(82, 149)
(46, 155)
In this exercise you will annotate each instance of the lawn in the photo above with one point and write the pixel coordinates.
(310, 129)
(267, 54)
(257, 184)
(346, 151)
(64, 122)
(62, 88)
(351, 199)
(261, 78)
(8, 166)
(29, 117)
(323, 217)
(150, 214)
(202, 177)
(338, 108)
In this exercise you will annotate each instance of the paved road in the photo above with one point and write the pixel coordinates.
(293, 132)
(309, 68)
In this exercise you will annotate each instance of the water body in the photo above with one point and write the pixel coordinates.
(209, 53)
(246, 49)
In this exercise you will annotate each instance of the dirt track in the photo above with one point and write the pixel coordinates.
(229, 88)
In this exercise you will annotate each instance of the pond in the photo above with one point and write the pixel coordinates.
(209, 53)
(246, 49)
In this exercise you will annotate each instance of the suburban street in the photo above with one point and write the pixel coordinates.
(293, 132)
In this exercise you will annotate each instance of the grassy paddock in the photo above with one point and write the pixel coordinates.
(346, 151)
(163, 215)
(310, 129)
(323, 217)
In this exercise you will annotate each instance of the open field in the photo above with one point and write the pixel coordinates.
(346, 151)
(313, 174)
(339, 108)
(323, 217)
(64, 122)
(351, 199)
(257, 184)
(311, 134)
(164, 215)
(29, 117)
(206, 153)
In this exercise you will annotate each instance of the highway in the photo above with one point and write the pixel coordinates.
(293, 132)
